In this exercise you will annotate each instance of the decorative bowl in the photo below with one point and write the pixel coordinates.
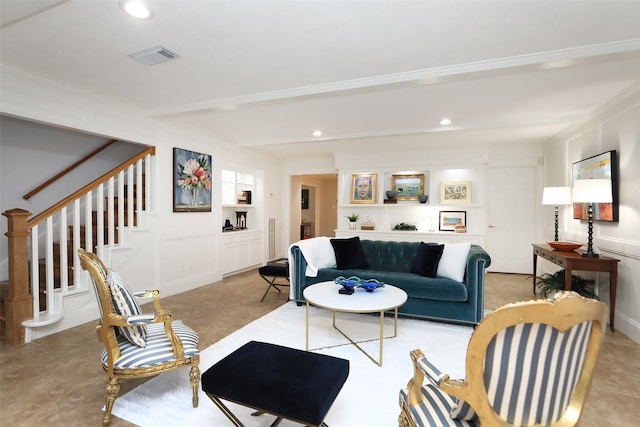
(370, 285)
(347, 283)
(564, 246)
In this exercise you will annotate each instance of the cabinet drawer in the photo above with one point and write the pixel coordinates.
(545, 254)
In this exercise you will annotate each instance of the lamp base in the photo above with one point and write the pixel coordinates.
(590, 255)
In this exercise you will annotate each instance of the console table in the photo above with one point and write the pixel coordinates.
(574, 260)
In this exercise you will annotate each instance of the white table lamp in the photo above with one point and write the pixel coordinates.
(556, 196)
(591, 191)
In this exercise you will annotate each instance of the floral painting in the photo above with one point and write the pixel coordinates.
(192, 181)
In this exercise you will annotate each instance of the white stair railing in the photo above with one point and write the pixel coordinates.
(66, 225)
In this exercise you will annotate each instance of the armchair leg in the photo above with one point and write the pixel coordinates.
(113, 387)
(194, 378)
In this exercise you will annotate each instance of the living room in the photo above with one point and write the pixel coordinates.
(614, 125)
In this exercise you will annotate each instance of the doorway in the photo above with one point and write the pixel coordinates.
(511, 215)
(317, 216)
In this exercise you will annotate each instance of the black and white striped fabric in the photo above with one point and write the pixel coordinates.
(158, 348)
(435, 408)
(530, 373)
(126, 305)
(93, 282)
(531, 370)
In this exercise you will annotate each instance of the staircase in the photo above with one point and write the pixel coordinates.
(71, 253)
(99, 217)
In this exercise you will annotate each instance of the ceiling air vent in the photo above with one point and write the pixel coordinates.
(154, 55)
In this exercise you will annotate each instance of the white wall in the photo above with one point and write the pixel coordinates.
(616, 128)
(32, 153)
(177, 239)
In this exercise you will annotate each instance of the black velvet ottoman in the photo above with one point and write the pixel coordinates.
(292, 384)
(272, 271)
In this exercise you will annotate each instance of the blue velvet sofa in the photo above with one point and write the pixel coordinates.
(436, 298)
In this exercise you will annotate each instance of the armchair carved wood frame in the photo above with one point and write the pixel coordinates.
(527, 364)
(170, 345)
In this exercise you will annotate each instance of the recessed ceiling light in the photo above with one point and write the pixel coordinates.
(136, 8)
(317, 133)
(445, 122)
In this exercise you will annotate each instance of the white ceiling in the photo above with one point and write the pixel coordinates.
(370, 75)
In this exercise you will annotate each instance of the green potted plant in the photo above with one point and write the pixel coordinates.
(551, 283)
(353, 218)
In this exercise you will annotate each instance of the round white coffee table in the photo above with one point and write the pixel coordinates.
(325, 295)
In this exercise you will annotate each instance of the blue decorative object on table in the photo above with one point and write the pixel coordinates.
(348, 285)
(370, 285)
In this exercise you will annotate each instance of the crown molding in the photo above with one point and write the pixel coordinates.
(562, 58)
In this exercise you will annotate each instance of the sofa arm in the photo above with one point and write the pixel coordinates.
(298, 269)
(477, 261)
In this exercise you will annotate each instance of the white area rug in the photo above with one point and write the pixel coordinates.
(368, 398)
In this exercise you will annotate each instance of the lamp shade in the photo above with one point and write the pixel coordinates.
(592, 191)
(556, 196)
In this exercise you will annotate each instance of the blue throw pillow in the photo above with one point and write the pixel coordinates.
(349, 253)
(426, 260)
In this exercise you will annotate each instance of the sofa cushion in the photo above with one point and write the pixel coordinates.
(427, 258)
(389, 256)
(416, 286)
(454, 261)
(349, 253)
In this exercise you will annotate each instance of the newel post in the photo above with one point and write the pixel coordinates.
(18, 303)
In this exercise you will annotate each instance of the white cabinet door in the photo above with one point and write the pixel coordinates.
(242, 250)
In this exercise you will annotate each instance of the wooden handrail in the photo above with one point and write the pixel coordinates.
(76, 194)
(67, 170)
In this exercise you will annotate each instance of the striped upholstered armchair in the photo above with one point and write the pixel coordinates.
(137, 344)
(527, 364)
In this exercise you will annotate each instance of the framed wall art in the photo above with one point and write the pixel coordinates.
(363, 188)
(455, 192)
(601, 166)
(191, 181)
(449, 220)
(305, 198)
(408, 187)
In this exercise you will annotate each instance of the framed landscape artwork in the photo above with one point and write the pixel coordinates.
(449, 219)
(408, 187)
(455, 192)
(601, 166)
(363, 188)
(191, 181)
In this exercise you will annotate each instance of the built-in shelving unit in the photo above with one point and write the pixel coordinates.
(243, 247)
(425, 216)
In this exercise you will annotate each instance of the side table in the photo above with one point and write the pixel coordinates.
(574, 260)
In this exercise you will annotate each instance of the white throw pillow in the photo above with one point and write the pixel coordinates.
(453, 261)
(126, 305)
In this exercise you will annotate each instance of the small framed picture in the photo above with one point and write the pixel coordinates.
(450, 219)
(363, 188)
(408, 187)
(455, 192)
